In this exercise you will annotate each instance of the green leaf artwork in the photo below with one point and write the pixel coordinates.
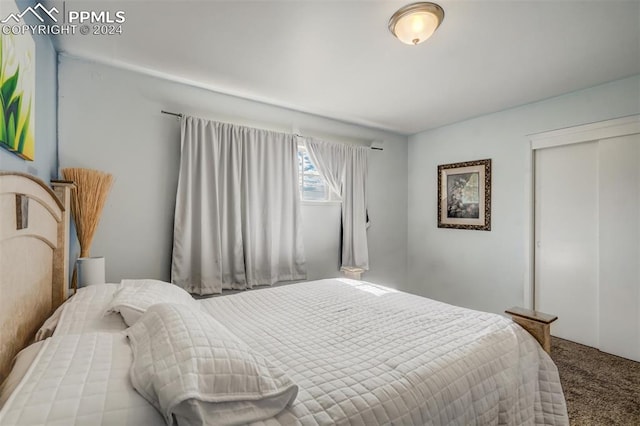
(17, 83)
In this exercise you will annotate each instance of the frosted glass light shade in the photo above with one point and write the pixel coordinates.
(416, 22)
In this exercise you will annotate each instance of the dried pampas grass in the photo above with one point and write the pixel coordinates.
(87, 202)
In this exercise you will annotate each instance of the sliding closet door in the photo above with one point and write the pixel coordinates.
(566, 252)
(587, 254)
(619, 200)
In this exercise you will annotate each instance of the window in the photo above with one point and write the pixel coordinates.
(313, 187)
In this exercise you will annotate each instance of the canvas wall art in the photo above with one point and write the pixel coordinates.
(17, 90)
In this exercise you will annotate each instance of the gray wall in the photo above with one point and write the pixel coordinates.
(45, 163)
(110, 120)
(486, 270)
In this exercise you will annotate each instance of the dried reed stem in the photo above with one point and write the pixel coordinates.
(87, 202)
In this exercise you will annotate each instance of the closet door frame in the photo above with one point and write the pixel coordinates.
(623, 126)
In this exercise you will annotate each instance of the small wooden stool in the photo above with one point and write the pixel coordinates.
(536, 323)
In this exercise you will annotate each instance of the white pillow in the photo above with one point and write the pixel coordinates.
(194, 370)
(21, 365)
(49, 326)
(134, 297)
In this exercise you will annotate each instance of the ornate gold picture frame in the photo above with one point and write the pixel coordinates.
(464, 195)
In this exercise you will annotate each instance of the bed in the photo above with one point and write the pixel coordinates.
(344, 351)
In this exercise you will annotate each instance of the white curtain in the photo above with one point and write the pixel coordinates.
(345, 169)
(237, 220)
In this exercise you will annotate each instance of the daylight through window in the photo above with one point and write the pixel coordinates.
(313, 187)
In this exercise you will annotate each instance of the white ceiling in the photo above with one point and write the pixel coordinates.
(337, 58)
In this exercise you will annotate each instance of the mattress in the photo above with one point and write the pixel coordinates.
(360, 354)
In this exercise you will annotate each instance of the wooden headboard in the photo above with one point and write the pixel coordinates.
(34, 236)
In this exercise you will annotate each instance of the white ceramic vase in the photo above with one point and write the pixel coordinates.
(91, 270)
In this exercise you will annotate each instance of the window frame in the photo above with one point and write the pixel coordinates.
(331, 199)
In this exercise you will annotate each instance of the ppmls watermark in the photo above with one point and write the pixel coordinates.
(63, 22)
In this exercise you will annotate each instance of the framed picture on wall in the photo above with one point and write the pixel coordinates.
(464, 195)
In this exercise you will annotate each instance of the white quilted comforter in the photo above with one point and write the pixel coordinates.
(194, 371)
(360, 354)
(80, 379)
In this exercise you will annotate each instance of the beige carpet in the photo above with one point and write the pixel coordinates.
(600, 389)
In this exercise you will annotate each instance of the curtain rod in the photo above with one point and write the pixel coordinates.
(179, 115)
(176, 114)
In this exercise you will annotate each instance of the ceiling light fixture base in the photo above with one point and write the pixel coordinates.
(416, 22)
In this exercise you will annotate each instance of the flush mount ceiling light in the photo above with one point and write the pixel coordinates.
(416, 22)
